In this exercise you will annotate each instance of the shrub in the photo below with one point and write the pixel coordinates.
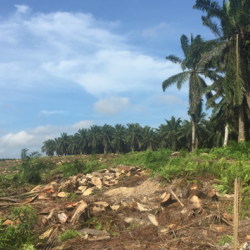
(20, 233)
(31, 170)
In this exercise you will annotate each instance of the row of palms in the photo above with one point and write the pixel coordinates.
(224, 60)
(174, 134)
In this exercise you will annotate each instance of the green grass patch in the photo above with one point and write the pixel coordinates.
(67, 235)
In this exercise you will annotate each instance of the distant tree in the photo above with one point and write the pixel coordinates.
(149, 138)
(133, 135)
(83, 140)
(118, 137)
(106, 134)
(73, 147)
(169, 132)
(94, 136)
(24, 154)
(49, 147)
(62, 143)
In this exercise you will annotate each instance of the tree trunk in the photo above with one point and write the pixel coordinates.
(193, 133)
(105, 151)
(150, 147)
(241, 137)
(226, 135)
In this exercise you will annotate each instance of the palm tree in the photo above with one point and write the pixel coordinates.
(118, 137)
(149, 138)
(62, 143)
(106, 134)
(93, 136)
(169, 132)
(73, 144)
(202, 130)
(133, 135)
(232, 50)
(193, 73)
(83, 140)
(32, 155)
(49, 147)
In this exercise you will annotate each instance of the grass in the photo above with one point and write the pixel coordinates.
(67, 235)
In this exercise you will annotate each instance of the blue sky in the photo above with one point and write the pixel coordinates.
(66, 65)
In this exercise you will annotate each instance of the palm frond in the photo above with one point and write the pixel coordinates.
(174, 59)
(211, 7)
(213, 26)
(178, 78)
(185, 45)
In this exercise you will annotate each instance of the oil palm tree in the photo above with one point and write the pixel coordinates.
(133, 135)
(94, 136)
(73, 147)
(191, 73)
(232, 50)
(149, 138)
(62, 143)
(106, 134)
(83, 140)
(49, 147)
(168, 133)
(118, 137)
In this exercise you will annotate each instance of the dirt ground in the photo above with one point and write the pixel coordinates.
(131, 210)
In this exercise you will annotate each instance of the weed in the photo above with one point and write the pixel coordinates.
(226, 239)
(67, 235)
(14, 236)
(72, 197)
(31, 170)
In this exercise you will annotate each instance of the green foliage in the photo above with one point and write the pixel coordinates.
(67, 235)
(226, 239)
(31, 170)
(238, 151)
(14, 236)
(28, 247)
(70, 169)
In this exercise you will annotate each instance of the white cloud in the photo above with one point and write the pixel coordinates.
(160, 29)
(18, 139)
(170, 100)
(79, 48)
(111, 105)
(53, 112)
(11, 144)
(80, 125)
(22, 8)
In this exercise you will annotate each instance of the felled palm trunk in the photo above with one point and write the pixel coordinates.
(193, 133)
(241, 137)
(226, 135)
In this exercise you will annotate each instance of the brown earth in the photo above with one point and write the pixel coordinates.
(129, 210)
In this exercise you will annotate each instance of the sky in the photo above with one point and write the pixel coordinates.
(67, 65)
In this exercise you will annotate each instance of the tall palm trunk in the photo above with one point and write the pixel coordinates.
(193, 133)
(150, 146)
(241, 136)
(226, 135)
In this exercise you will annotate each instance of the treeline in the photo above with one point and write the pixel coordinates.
(174, 134)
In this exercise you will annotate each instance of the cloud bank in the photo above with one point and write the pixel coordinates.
(11, 144)
(37, 48)
(112, 105)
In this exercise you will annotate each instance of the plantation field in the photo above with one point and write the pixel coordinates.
(140, 202)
